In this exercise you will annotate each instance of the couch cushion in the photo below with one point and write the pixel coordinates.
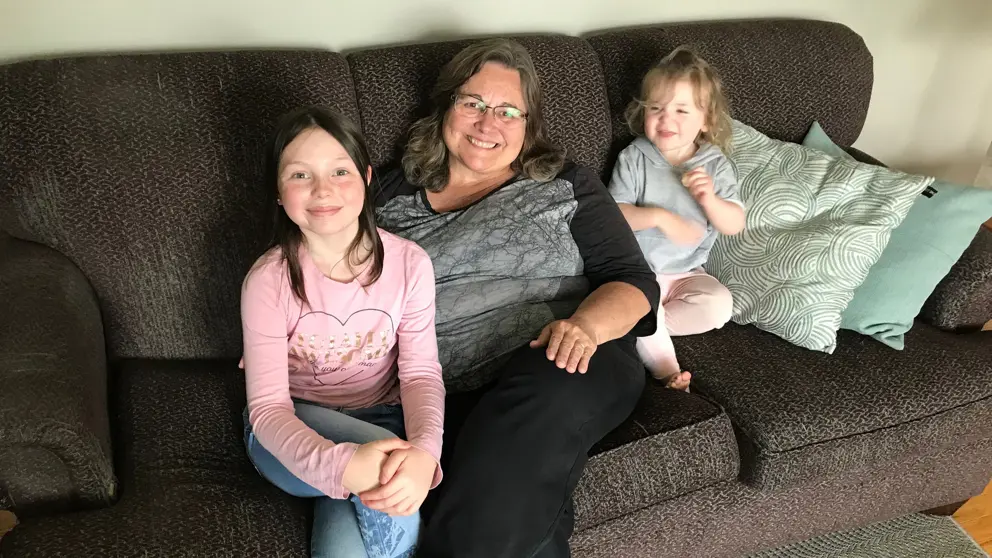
(393, 85)
(187, 486)
(145, 171)
(779, 74)
(801, 414)
(672, 444)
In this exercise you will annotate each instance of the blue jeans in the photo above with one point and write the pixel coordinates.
(343, 528)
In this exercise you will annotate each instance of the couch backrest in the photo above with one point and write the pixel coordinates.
(145, 171)
(392, 86)
(779, 74)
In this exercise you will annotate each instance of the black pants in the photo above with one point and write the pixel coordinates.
(514, 451)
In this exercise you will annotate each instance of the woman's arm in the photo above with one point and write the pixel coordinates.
(598, 312)
(624, 293)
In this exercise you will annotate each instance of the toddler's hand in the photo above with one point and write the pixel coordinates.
(405, 479)
(700, 185)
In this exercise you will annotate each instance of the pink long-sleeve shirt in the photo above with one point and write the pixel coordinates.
(351, 347)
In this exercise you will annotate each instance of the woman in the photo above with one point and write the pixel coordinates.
(541, 291)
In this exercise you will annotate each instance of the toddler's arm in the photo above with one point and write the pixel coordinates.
(680, 230)
(627, 188)
(724, 209)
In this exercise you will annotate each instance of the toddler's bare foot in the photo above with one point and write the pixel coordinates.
(678, 381)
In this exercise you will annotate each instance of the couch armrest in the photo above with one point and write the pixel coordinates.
(55, 452)
(963, 300)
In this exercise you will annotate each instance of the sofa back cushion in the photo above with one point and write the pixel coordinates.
(393, 85)
(145, 170)
(779, 75)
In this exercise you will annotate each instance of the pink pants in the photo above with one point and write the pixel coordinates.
(691, 303)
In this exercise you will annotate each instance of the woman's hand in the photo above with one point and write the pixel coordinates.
(570, 344)
(363, 470)
(405, 478)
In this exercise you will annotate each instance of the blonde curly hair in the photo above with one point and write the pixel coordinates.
(684, 63)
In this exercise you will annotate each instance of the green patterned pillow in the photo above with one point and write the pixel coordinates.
(815, 226)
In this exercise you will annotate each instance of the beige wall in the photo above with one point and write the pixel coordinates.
(931, 109)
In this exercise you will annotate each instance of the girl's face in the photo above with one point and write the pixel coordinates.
(672, 119)
(320, 187)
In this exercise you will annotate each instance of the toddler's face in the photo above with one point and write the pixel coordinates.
(672, 119)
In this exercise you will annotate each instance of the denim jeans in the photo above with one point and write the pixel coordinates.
(343, 528)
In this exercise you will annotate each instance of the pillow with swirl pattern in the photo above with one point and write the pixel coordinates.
(815, 226)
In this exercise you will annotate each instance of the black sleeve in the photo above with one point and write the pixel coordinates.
(607, 245)
(389, 183)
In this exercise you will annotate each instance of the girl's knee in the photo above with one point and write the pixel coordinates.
(721, 307)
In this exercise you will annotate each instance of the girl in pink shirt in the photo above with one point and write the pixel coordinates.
(338, 320)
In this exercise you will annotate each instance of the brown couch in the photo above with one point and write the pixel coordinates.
(130, 203)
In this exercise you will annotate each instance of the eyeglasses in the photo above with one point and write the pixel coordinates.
(474, 107)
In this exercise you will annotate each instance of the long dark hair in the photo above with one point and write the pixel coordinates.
(286, 234)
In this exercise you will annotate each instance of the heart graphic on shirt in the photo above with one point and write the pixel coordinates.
(324, 344)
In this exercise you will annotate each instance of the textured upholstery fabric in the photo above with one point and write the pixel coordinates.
(164, 151)
(55, 450)
(732, 519)
(779, 75)
(673, 443)
(187, 486)
(963, 299)
(145, 171)
(802, 414)
(393, 86)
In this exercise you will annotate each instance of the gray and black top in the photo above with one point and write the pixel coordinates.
(522, 256)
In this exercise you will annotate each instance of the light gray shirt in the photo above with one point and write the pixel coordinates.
(643, 177)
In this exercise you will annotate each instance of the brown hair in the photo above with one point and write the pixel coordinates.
(425, 162)
(684, 63)
(286, 235)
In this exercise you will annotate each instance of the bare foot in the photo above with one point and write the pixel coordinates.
(679, 381)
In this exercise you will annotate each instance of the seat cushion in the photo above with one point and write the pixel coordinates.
(393, 85)
(802, 414)
(146, 171)
(672, 444)
(187, 486)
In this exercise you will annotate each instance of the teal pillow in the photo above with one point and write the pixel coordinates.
(919, 254)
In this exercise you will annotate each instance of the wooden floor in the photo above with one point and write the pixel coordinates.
(976, 518)
(6, 521)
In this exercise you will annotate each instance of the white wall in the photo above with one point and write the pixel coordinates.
(931, 109)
